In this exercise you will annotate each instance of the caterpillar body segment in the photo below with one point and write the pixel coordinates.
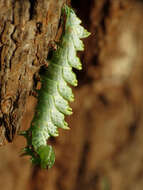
(55, 92)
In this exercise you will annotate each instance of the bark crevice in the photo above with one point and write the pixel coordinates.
(25, 33)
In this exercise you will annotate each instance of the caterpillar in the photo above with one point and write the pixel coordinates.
(54, 95)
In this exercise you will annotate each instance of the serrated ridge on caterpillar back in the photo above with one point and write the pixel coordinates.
(55, 93)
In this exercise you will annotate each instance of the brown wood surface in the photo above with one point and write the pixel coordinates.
(26, 28)
(104, 148)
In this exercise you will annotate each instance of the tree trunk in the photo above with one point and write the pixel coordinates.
(26, 28)
(103, 149)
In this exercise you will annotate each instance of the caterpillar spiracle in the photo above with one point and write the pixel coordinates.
(54, 95)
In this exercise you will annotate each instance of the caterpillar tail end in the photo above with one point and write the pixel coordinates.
(46, 155)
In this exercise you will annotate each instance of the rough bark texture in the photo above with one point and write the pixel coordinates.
(26, 28)
(103, 149)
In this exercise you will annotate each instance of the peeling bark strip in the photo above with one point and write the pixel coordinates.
(26, 27)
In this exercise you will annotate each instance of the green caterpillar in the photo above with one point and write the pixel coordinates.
(54, 94)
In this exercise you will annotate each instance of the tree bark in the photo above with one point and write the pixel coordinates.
(103, 149)
(26, 28)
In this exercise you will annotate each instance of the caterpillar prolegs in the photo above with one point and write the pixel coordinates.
(54, 95)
